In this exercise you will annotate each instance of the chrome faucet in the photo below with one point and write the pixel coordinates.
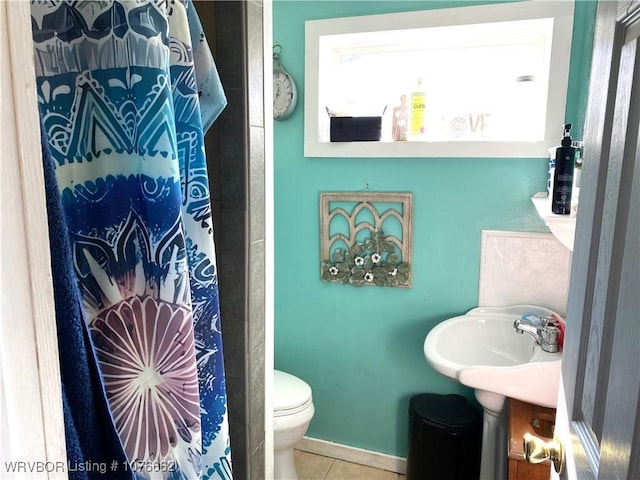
(543, 330)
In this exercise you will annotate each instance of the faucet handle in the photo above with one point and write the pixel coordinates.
(550, 334)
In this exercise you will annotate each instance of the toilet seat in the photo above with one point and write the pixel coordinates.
(291, 395)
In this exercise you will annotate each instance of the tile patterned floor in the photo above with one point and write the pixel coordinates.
(317, 467)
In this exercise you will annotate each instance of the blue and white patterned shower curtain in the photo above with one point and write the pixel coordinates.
(120, 106)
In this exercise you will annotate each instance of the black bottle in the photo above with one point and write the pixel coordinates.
(563, 176)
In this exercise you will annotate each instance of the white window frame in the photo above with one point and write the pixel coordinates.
(561, 12)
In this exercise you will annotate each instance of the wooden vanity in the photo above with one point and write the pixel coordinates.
(527, 418)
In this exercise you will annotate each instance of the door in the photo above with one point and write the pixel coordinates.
(598, 417)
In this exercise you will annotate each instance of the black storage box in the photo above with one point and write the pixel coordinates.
(355, 129)
(445, 438)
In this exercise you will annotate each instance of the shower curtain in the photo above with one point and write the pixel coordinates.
(120, 105)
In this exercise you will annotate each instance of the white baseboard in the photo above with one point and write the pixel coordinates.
(353, 454)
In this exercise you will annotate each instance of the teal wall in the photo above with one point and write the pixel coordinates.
(361, 349)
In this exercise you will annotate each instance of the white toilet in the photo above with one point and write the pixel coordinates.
(292, 413)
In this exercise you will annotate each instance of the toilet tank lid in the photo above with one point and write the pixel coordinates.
(289, 391)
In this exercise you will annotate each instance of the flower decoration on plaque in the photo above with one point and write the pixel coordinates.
(356, 250)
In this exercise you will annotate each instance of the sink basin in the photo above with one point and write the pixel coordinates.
(482, 350)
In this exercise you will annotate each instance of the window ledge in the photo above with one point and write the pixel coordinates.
(427, 149)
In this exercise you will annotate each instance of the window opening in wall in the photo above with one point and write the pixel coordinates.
(494, 76)
(483, 82)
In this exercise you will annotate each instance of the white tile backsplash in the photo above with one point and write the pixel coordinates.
(523, 267)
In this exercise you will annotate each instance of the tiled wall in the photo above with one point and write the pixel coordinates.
(235, 156)
(524, 268)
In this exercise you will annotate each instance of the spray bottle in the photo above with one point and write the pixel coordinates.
(563, 175)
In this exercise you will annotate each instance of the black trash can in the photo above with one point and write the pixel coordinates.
(445, 438)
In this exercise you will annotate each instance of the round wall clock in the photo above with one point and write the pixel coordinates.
(285, 93)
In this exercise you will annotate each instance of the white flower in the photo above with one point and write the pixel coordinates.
(359, 261)
(393, 272)
(375, 258)
(333, 271)
(368, 277)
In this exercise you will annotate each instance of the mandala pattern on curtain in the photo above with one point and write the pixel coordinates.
(119, 101)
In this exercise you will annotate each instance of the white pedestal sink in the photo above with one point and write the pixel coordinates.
(482, 350)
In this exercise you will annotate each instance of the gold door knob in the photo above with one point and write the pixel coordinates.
(537, 450)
